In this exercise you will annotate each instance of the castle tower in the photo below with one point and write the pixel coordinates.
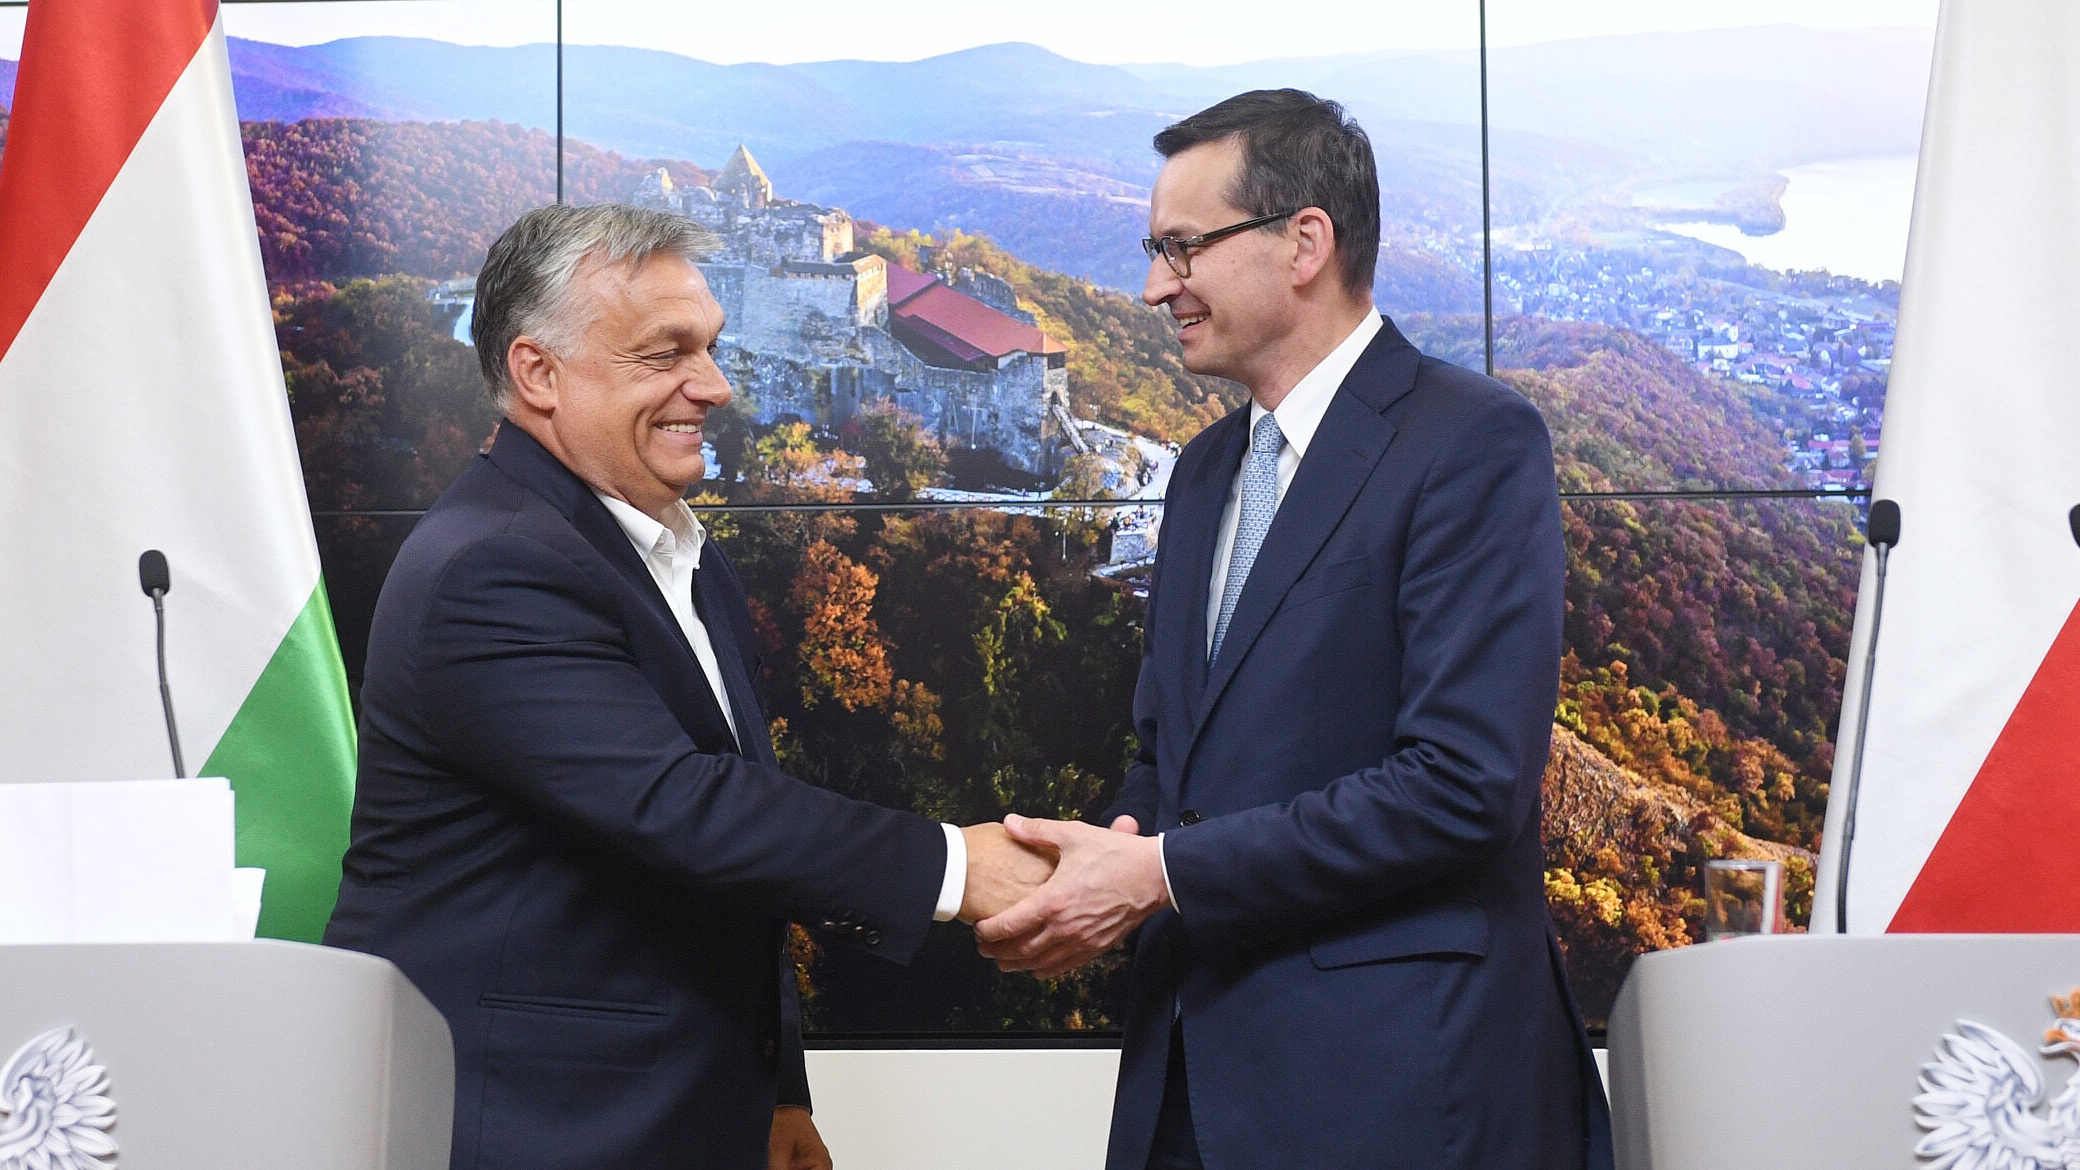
(655, 190)
(742, 179)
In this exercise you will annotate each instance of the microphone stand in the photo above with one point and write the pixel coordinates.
(1884, 534)
(156, 582)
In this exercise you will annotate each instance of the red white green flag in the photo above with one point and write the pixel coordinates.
(142, 406)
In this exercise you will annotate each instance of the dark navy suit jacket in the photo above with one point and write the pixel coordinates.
(1362, 963)
(557, 839)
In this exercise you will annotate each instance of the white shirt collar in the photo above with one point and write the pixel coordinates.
(683, 535)
(1300, 413)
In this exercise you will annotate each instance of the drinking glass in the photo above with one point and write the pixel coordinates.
(1742, 897)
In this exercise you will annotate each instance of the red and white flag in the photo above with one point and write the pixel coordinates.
(1971, 784)
(142, 406)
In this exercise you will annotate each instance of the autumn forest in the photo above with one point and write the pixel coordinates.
(968, 662)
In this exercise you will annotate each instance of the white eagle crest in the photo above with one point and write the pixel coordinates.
(1979, 1100)
(54, 1108)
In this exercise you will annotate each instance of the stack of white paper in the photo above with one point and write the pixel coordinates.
(122, 861)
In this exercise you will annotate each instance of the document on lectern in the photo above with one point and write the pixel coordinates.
(122, 861)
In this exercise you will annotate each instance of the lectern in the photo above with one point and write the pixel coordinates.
(1794, 1051)
(221, 1056)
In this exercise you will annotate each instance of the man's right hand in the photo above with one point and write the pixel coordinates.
(1001, 871)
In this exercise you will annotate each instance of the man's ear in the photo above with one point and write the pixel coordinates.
(1314, 245)
(532, 369)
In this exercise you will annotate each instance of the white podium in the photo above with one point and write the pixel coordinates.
(225, 1056)
(1797, 1051)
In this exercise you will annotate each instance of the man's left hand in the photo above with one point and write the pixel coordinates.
(795, 1144)
(1107, 883)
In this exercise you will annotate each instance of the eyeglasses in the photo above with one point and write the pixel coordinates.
(1177, 252)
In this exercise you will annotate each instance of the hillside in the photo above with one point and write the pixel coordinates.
(338, 198)
(1629, 414)
(1741, 607)
(1624, 861)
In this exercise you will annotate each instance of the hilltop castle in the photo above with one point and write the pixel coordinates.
(818, 328)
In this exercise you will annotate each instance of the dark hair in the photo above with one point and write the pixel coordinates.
(525, 285)
(1298, 151)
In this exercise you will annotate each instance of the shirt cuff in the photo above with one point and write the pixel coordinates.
(954, 886)
(1169, 891)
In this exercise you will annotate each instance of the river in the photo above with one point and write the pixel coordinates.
(1849, 217)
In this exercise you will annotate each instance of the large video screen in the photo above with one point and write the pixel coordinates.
(942, 474)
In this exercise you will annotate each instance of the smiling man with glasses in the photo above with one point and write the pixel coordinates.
(1328, 839)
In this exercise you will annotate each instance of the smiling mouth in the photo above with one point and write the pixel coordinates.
(1186, 322)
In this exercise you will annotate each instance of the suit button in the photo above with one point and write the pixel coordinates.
(1189, 816)
(873, 938)
(769, 1048)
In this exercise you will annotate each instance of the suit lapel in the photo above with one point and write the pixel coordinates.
(1347, 446)
(715, 598)
(527, 462)
(1191, 530)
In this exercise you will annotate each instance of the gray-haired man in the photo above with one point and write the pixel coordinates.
(570, 830)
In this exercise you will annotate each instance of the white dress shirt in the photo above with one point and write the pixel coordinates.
(672, 551)
(1299, 415)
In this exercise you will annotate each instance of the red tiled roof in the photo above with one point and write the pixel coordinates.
(965, 327)
(904, 284)
(923, 337)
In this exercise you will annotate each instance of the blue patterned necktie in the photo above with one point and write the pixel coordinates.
(1259, 504)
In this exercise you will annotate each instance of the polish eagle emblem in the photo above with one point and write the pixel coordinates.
(1979, 1099)
(54, 1107)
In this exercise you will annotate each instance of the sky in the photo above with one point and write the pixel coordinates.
(1106, 31)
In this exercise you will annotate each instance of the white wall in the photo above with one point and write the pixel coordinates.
(1004, 1108)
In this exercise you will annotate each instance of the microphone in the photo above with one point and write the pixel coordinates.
(153, 574)
(1882, 534)
(157, 581)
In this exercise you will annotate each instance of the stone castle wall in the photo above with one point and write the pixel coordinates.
(807, 335)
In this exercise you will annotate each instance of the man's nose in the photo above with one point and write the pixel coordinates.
(708, 385)
(1162, 283)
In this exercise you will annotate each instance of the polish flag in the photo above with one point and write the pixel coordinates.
(1969, 818)
(142, 406)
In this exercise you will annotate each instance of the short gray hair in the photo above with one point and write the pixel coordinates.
(525, 286)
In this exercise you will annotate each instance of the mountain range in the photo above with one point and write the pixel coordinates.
(1733, 99)
(1050, 154)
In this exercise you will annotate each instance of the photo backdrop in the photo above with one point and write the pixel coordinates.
(942, 474)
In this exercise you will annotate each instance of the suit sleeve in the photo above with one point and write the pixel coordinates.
(1479, 609)
(526, 680)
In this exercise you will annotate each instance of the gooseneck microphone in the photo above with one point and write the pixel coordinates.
(1883, 534)
(157, 581)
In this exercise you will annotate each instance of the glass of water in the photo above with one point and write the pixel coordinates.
(1743, 897)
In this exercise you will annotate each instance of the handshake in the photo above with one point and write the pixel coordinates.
(1050, 896)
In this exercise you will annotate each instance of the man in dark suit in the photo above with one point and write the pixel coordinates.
(570, 830)
(1330, 834)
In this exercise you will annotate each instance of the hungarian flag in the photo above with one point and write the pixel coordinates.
(142, 407)
(1971, 781)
